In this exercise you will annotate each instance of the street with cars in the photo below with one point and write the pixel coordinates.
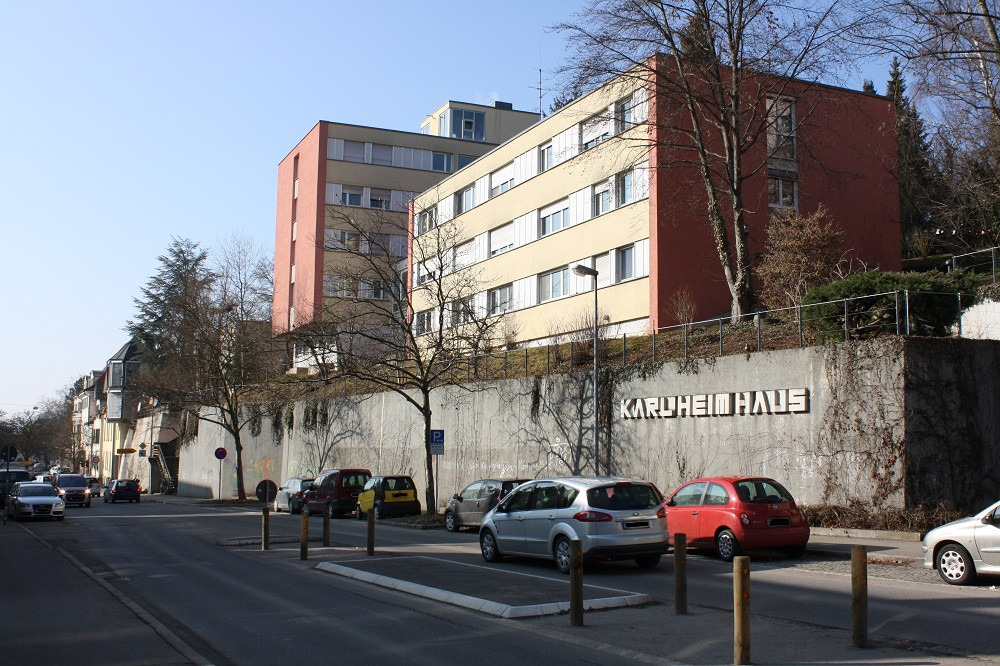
(198, 570)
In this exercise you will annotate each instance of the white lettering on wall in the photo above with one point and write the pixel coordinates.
(740, 403)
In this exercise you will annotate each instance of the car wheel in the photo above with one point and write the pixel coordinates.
(955, 565)
(378, 512)
(488, 546)
(358, 514)
(450, 522)
(726, 545)
(647, 561)
(561, 551)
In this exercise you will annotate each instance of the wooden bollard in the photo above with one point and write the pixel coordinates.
(741, 610)
(680, 574)
(575, 583)
(304, 537)
(326, 525)
(371, 531)
(265, 534)
(859, 595)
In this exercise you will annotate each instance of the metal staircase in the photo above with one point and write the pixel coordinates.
(169, 467)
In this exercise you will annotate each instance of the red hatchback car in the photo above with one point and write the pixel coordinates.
(736, 513)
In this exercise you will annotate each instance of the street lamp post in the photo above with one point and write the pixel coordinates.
(580, 269)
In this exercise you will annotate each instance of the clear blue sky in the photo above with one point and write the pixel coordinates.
(125, 123)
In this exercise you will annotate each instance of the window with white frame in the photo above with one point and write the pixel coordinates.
(381, 154)
(781, 128)
(499, 299)
(424, 274)
(441, 162)
(624, 263)
(463, 311)
(423, 322)
(373, 290)
(782, 192)
(340, 240)
(379, 198)
(338, 286)
(502, 180)
(601, 200)
(469, 125)
(545, 157)
(624, 114)
(624, 190)
(465, 254)
(501, 239)
(426, 220)
(465, 200)
(594, 131)
(351, 195)
(354, 151)
(553, 285)
(553, 219)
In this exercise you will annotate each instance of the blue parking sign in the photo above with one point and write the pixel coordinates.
(437, 436)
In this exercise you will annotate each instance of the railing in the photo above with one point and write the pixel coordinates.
(979, 261)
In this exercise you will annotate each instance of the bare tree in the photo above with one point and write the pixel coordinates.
(720, 75)
(389, 325)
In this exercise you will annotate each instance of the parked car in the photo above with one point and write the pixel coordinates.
(966, 548)
(290, 495)
(467, 508)
(122, 490)
(388, 496)
(614, 518)
(73, 489)
(9, 478)
(337, 487)
(32, 499)
(736, 513)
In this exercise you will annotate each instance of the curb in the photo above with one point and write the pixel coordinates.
(886, 535)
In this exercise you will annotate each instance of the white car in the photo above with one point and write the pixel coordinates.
(613, 517)
(35, 500)
(965, 548)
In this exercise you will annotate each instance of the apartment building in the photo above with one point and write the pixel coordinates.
(338, 171)
(600, 184)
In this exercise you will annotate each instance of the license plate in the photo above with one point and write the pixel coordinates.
(636, 525)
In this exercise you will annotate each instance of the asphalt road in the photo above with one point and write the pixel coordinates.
(238, 605)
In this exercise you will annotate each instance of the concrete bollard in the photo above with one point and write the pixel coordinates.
(575, 583)
(371, 531)
(326, 525)
(741, 610)
(859, 595)
(304, 537)
(680, 575)
(265, 535)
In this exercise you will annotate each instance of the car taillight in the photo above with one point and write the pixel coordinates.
(592, 517)
(298, 494)
(662, 511)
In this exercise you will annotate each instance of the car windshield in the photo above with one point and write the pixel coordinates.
(399, 483)
(38, 491)
(762, 491)
(73, 482)
(623, 497)
(126, 485)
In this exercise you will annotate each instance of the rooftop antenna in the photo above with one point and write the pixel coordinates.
(539, 89)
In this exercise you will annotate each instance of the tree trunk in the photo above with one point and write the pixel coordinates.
(238, 444)
(429, 459)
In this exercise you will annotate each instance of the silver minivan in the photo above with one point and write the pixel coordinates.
(615, 518)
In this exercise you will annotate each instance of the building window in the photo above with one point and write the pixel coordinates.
(553, 285)
(552, 222)
(499, 300)
(422, 322)
(338, 286)
(624, 114)
(425, 221)
(441, 162)
(339, 240)
(594, 131)
(502, 180)
(782, 192)
(623, 188)
(601, 200)
(463, 311)
(781, 129)
(424, 274)
(545, 158)
(501, 239)
(292, 277)
(624, 263)
(351, 196)
(465, 200)
(379, 198)
(465, 255)
(374, 291)
(470, 125)
(381, 154)
(354, 151)
(465, 160)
